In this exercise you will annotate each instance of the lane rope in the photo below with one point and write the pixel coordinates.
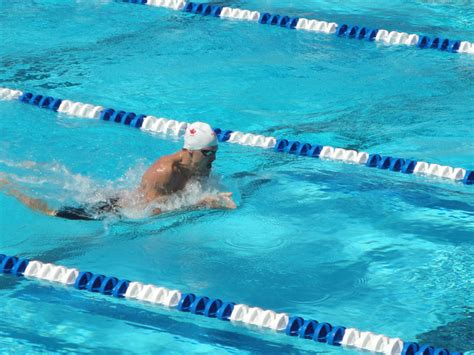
(214, 308)
(177, 128)
(348, 31)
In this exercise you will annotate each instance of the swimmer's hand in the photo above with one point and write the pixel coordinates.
(222, 200)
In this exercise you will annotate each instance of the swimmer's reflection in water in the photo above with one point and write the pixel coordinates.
(167, 176)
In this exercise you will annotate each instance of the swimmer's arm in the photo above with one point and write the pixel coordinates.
(220, 201)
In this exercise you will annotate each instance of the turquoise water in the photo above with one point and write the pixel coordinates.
(353, 246)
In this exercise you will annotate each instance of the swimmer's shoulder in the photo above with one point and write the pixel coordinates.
(168, 163)
(165, 162)
(164, 169)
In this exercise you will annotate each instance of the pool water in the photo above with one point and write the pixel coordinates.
(365, 248)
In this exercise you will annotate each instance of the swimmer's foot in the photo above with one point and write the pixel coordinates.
(4, 181)
(33, 203)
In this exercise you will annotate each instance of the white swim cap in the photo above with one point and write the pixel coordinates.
(199, 135)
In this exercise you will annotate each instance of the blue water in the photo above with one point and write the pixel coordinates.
(364, 248)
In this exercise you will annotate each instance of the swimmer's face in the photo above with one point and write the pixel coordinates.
(202, 160)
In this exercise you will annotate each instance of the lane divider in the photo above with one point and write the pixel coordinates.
(214, 308)
(341, 30)
(177, 128)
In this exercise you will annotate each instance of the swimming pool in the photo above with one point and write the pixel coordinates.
(391, 253)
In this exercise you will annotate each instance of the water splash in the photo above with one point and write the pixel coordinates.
(55, 183)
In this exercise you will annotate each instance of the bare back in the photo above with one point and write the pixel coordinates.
(164, 177)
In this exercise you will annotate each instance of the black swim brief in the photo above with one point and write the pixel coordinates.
(96, 211)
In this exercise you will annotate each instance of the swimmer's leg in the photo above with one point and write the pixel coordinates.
(33, 203)
(3, 181)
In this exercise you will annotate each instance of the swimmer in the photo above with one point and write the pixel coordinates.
(167, 176)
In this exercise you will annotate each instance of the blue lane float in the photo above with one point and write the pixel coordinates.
(278, 20)
(448, 45)
(40, 101)
(203, 9)
(127, 118)
(341, 30)
(140, 2)
(177, 128)
(357, 32)
(294, 326)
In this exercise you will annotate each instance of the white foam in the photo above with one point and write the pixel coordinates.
(190, 196)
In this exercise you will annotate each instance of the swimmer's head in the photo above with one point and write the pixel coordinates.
(199, 135)
(201, 141)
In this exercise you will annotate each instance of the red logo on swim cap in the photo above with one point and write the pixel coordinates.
(192, 131)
